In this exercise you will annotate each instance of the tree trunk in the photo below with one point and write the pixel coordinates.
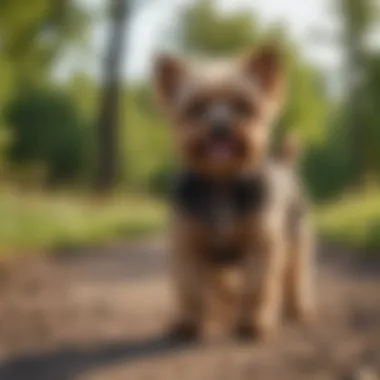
(107, 139)
(357, 17)
(355, 117)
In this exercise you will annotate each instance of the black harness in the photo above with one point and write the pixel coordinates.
(201, 197)
(205, 200)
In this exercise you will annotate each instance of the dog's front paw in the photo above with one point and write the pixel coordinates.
(266, 322)
(246, 332)
(260, 329)
(306, 315)
(185, 332)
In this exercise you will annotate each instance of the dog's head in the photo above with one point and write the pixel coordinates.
(221, 113)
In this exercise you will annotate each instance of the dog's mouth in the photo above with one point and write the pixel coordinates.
(220, 150)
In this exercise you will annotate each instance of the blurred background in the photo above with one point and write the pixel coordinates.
(85, 158)
(78, 120)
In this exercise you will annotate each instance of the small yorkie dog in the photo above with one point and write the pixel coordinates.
(235, 209)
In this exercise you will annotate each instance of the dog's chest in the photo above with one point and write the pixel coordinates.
(219, 202)
(221, 209)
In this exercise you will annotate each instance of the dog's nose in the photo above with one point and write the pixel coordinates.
(220, 130)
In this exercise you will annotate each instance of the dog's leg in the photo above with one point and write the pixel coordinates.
(262, 294)
(270, 288)
(188, 277)
(300, 297)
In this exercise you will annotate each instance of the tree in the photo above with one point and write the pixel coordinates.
(107, 170)
(33, 33)
(371, 118)
(357, 18)
(47, 130)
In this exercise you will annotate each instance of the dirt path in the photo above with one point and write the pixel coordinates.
(100, 316)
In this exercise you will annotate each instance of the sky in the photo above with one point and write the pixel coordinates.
(303, 20)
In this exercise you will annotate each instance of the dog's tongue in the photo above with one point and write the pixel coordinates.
(220, 150)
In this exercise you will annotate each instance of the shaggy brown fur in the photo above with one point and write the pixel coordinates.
(235, 210)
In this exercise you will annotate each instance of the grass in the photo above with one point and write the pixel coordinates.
(35, 222)
(354, 220)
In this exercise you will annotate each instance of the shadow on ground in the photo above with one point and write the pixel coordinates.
(68, 364)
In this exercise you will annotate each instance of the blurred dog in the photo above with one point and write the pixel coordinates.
(234, 208)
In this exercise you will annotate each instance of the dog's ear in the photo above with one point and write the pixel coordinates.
(168, 74)
(266, 68)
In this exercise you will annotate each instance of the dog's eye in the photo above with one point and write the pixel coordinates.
(196, 109)
(243, 108)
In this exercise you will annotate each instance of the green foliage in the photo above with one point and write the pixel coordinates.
(46, 129)
(370, 116)
(327, 165)
(358, 16)
(207, 32)
(84, 93)
(146, 144)
(353, 220)
(6, 90)
(34, 32)
(306, 105)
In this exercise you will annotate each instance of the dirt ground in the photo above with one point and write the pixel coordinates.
(101, 314)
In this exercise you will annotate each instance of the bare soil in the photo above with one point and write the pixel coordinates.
(100, 314)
